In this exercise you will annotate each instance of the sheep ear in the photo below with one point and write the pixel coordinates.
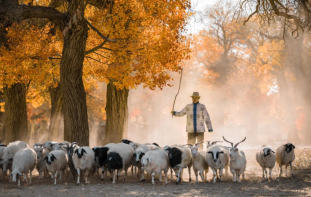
(272, 151)
(84, 151)
(149, 160)
(294, 147)
(76, 152)
(221, 152)
(20, 173)
(210, 152)
(45, 158)
(54, 157)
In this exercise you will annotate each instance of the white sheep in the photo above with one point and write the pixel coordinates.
(24, 162)
(10, 151)
(41, 165)
(84, 160)
(154, 162)
(56, 162)
(285, 155)
(217, 157)
(119, 158)
(237, 161)
(180, 157)
(139, 153)
(266, 157)
(199, 162)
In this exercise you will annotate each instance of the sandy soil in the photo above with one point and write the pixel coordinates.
(254, 185)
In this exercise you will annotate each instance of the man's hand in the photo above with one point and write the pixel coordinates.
(172, 112)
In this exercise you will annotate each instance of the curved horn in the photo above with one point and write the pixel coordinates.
(239, 142)
(215, 142)
(227, 141)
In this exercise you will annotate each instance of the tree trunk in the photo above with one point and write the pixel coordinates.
(117, 114)
(71, 67)
(15, 123)
(56, 129)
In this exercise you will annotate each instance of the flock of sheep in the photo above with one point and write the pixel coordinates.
(56, 158)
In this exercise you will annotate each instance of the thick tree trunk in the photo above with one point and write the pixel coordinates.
(56, 129)
(117, 114)
(74, 98)
(16, 126)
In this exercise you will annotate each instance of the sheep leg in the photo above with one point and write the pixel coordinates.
(153, 175)
(238, 174)
(280, 170)
(60, 175)
(132, 170)
(142, 174)
(179, 175)
(214, 175)
(291, 167)
(55, 177)
(78, 171)
(286, 170)
(270, 173)
(234, 175)
(30, 175)
(201, 173)
(189, 172)
(86, 173)
(19, 181)
(52, 175)
(263, 173)
(103, 172)
(113, 176)
(40, 175)
(220, 173)
(165, 172)
(125, 174)
(160, 176)
(196, 176)
(171, 174)
(266, 172)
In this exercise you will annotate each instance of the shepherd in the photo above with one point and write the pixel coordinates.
(196, 116)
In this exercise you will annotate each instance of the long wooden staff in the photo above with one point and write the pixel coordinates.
(178, 90)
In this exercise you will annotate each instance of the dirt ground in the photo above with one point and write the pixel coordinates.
(254, 185)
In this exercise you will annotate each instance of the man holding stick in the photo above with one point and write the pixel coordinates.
(196, 116)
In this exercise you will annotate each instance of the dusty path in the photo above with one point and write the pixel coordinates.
(254, 185)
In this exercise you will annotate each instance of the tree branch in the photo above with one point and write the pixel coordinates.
(26, 12)
(99, 33)
(95, 48)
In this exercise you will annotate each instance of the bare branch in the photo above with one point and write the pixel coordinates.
(99, 33)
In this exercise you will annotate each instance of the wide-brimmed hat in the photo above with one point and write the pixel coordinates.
(196, 94)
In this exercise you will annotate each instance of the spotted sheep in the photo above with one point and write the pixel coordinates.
(266, 157)
(24, 162)
(119, 158)
(180, 157)
(154, 162)
(217, 157)
(9, 152)
(101, 158)
(56, 162)
(237, 161)
(285, 155)
(139, 153)
(199, 162)
(83, 160)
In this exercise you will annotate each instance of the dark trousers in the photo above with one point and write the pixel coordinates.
(196, 137)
